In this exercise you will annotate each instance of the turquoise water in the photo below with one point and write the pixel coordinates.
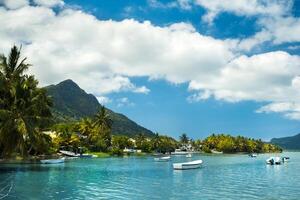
(221, 177)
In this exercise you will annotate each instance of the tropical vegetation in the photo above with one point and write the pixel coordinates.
(27, 126)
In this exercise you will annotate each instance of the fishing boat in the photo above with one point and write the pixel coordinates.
(188, 165)
(189, 155)
(274, 161)
(162, 159)
(53, 161)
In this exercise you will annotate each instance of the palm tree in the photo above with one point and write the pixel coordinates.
(102, 124)
(184, 138)
(24, 108)
(102, 119)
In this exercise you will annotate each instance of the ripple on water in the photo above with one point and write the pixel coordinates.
(221, 177)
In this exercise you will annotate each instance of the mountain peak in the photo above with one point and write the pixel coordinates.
(68, 82)
(72, 103)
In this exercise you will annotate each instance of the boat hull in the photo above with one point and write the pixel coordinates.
(188, 165)
(53, 161)
(162, 159)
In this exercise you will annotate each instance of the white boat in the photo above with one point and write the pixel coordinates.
(53, 161)
(216, 152)
(188, 165)
(253, 155)
(161, 159)
(189, 155)
(274, 161)
(179, 152)
(69, 153)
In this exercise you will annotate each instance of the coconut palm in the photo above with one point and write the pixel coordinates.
(102, 125)
(24, 108)
(184, 138)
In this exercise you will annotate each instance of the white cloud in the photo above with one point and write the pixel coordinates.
(14, 4)
(182, 4)
(264, 77)
(49, 3)
(102, 56)
(158, 4)
(103, 100)
(124, 102)
(244, 8)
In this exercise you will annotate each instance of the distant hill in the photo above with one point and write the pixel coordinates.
(72, 103)
(292, 143)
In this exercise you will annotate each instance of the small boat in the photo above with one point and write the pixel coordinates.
(179, 152)
(69, 153)
(285, 159)
(53, 161)
(253, 155)
(274, 161)
(162, 159)
(189, 155)
(188, 165)
(216, 152)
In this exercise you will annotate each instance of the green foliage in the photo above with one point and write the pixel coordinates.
(122, 142)
(184, 138)
(24, 108)
(92, 133)
(71, 103)
(230, 144)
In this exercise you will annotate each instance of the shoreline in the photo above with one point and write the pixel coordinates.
(101, 155)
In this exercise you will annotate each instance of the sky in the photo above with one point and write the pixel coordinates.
(173, 66)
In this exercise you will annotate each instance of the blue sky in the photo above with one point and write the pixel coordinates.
(173, 66)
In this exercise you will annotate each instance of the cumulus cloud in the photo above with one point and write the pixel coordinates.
(264, 77)
(14, 4)
(103, 100)
(49, 3)
(124, 102)
(244, 8)
(102, 56)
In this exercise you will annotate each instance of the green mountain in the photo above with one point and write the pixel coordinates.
(72, 103)
(292, 143)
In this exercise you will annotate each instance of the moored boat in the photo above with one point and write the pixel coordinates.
(253, 155)
(53, 161)
(188, 165)
(285, 159)
(274, 161)
(161, 159)
(179, 152)
(69, 153)
(189, 155)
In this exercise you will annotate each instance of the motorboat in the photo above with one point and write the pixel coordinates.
(53, 161)
(274, 161)
(162, 159)
(69, 153)
(179, 152)
(188, 165)
(189, 155)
